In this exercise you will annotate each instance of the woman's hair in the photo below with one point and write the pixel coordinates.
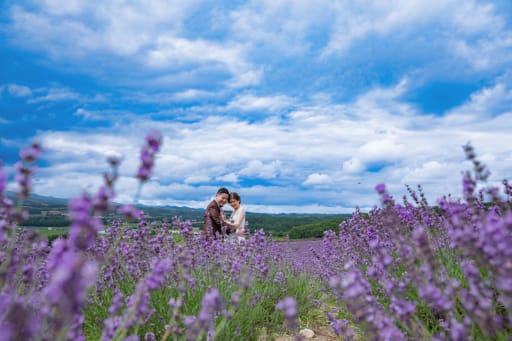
(234, 195)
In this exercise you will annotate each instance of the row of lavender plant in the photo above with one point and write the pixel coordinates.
(412, 271)
(134, 282)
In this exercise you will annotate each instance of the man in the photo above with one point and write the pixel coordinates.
(214, 215)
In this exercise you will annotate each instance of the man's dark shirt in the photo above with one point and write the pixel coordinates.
(212, 220)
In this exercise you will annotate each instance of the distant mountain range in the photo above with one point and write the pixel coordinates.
(48, 211)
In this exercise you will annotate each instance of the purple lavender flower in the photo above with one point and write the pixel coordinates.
(288, 306)
(154, 140)
(278, 279)
(138, 307)
(101, 202)
(380, 188)
(24, 179)
(32, 154)
(3, 180)
(28, 273)
(149, 337)
(84, 226)
(459, 331)
(210, 307)
(189, 320)
(341, 327)
(193, 330)
(148, 153)
(157, 277)
(117, 302)
(24, 171)
(69, 281)
(20, 321)
(130, 212)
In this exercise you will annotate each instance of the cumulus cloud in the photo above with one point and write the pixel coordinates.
(429, 170)
(194, 179)
(353, 165)
(280, 25)
(263, 170)
(230, 177)
(171, 51)
(317, 179)
(111, 26)
(150, 34)
(63, 145)
(408, 17)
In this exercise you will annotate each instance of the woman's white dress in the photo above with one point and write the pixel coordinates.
(237, 218)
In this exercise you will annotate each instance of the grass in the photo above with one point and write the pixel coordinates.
(256, 318)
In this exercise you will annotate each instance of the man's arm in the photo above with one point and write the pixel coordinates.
(214, 213)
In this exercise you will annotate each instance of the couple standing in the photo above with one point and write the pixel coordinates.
(215, 222)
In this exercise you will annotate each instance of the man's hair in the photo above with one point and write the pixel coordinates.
(223, 190)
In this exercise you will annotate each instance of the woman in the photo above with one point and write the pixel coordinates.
(237, 219)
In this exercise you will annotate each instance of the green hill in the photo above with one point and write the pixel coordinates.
(316, 229)
(283, 224)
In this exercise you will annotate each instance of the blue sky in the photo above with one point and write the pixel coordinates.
(298, 106)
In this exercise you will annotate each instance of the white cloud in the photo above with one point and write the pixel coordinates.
(317, 179)
(354, 23)
(460, 39)
(70, 147)
(71, 7)
(192, 94)
(120, 28)
(488, 101)
(171, 52)
(250, 102)
(279, 25)
(150, 33)
(428, 171)
(353, 165)
(19, 90)
(246, 78)
(56, 94)
(304, 209)
(230, 177)
(484, 54)
(381, 150)
(84, 113)
(194, 179)
(263, 170)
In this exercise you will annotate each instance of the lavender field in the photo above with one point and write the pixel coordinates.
(407, 270)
